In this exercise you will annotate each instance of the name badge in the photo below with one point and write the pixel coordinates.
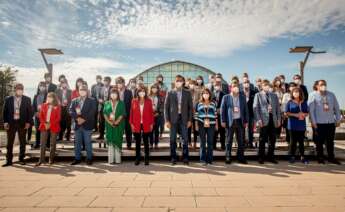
(77, 109)
(16, 114)
(325, 107)
(269, 108)
(236, 109)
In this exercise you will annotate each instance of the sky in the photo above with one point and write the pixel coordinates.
(125, 37)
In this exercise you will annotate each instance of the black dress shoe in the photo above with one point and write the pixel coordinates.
(228, 161)
(137, 162)
(334, 161)
(186, 162)
(273, 161)
(261, 161)
(7, 164)
(243, 161)
(75, 162)
(321, 161)
(89, 162)
(173, 162)
(147, 163)
(21, 162)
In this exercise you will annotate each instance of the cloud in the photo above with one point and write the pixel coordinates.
(208, 27)
(331, 58)
(84, 67)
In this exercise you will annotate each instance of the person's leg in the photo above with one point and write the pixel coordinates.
(53, 137)
(22, 142)
(173, 132)
(184, 132)
(38, 133)
(292, 145)
(210, 137)
(110, 154)
(44, 136)
(251, 131)
(77, 143)
(117, 153)
(101, 125)
(156, 131)
(137, 137)
(146, 147)
(263, 139)
(330, 141)
(11, 134)
(202, 134)
(88, 143)
(301, 135)
(272, 134)
(240, 142)
(128, 132)
(229, 140)
(320, 138)
(68, 123)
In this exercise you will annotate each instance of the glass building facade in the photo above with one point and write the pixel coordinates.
(170, 69)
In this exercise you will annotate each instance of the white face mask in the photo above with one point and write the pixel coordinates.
(141, 94)
(48, 79)
(245, 79)
(82, 93)
(246, 85)
(99, 80)
(206, 96)
(132, 84)
(154, 90)
(178, 84)
(140, 81)
(113, 96)
(297, 81)
(282, 81)
(191, 86)
(235, 90)
(160, 80)
(79, 84)
(42, 88)
(323, 88)
(49, 100)
(120, 85)
(217, 88)
(199, 82)
(19, 92)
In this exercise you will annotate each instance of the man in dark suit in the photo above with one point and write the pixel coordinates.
(64, 95)
(298, 80)
(83, 110)
(51, 87)
(218, 97)
(178, 115)
(126, 97)
(95, 93)
(249, 92)
(17, 114)
(103, 97)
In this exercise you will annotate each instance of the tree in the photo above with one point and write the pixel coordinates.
(7, 82)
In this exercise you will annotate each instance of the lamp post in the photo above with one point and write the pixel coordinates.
(49, 51)
(307, 50)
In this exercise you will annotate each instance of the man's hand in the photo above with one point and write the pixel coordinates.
(168, 124)
(151, 127)
(314, 125)
(260, 123)
(6, 126)
(80, 121)
(189, 124)
(245, 125)
(47, 126)
(223, 124)
(27, 125)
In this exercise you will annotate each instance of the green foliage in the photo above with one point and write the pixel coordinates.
(7, 82)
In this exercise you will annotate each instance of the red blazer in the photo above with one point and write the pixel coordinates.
(55, 117)
(134, 117)
(75, 94)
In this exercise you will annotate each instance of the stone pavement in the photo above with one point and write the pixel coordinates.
(162, 187)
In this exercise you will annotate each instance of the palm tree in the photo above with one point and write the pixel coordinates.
(7, 82)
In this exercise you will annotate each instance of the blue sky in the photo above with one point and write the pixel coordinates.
(125, 37)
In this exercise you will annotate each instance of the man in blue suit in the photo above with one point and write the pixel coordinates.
(234, 118)
(83, 111)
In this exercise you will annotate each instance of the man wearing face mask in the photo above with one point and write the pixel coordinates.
(64, 95)
(178, 114)
(234, 118)
(126, 97)
(51, 87)
(298, 80)
(95, 93)
(133, 86)
(83, 110)
(17, 115)
(245, 78)
(38, 100)
(219, 79)
(268, 117)
(249, 92)
(211, 81)
(103, 97)
(163, 89)
(325, 117)
(217, 98)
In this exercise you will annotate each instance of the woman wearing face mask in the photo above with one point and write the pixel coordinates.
(114, 113)
(50, 116)
(278, 90)
(78, 84)
(198, 88)
(192, 85)
(296, 110)
(157, 106)
(206, 117)
(37, 103)
(141, 120)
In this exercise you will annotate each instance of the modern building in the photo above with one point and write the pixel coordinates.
(170, 69)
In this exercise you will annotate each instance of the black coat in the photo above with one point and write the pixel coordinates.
(25, 111)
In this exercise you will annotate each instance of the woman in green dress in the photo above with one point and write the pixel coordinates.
(114, 113)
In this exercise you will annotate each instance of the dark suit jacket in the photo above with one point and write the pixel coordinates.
(171, 107)
(87, 112)
(59, 93)
(250, 102)
(25, 111)
(127, 99)
(227, 107)
(305, 92)
(52, 87)
(218, 100)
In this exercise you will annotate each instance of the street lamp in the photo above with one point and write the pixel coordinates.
(49, 51)
(307, 50)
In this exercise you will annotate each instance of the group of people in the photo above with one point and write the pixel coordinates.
(209, 112)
